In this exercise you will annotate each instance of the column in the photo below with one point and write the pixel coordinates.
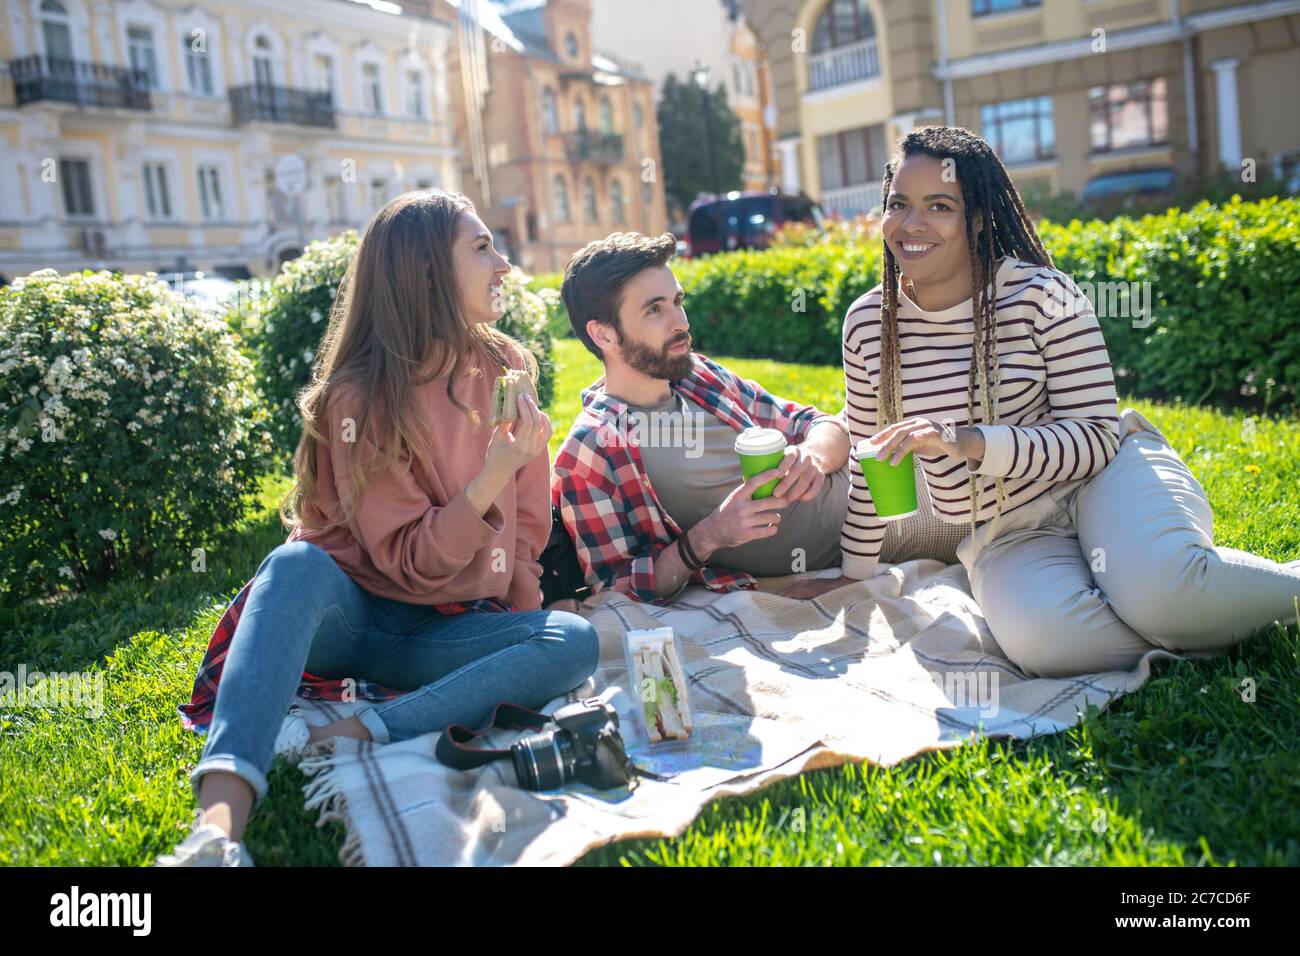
(1225, 85)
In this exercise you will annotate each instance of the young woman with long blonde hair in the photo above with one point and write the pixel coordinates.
(415, 527)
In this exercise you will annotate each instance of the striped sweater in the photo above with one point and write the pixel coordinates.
(1057, 413)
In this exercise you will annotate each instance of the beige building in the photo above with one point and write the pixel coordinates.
(560, 141)
(1065, 90)
(677, 37)
(173, 135)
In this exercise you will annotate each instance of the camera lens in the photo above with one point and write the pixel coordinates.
(543, 761)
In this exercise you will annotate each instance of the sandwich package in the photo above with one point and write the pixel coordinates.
(505, 396)
(657, 685)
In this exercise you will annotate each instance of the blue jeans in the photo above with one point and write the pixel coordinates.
(305, 613)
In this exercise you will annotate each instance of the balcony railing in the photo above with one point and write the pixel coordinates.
(845, 64)
(62, 80)
(597, 147)
(259, 102)
(851, 200)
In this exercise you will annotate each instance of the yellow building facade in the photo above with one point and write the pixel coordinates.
(1065, 90)
(172, 135)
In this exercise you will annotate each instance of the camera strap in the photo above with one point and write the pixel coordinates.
(453, 751)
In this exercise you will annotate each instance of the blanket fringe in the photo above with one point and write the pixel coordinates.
(323, 793)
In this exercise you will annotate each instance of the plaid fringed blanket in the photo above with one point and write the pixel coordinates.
(877, 670)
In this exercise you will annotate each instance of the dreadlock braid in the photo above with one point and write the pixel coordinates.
(990, 199)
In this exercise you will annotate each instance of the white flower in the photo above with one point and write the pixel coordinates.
(315, 316)
(65, 572)
(108, 534)
(308, 355)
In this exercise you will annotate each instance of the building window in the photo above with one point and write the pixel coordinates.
(378, 192)
(843, 22)
(579, 115)
(851, 157)
(157, 197)
(647, 194)
(616, 201)
(78, 200)
(571, 45)
(589, 200)
(323, 74)
(606, 115)
(372, 92)
(56, 31)
(263, 64)
(198, 68)
(550, 115)
(415, 94)
(1128, 114)
(1020, 131)
(982, 8)
(334, 200)
(561, 197)
(210, 202)
(140, 53)
(638, 116)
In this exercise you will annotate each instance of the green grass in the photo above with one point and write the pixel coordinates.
(1185, 772)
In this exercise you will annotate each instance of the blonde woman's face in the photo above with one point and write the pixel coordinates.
(479, 270)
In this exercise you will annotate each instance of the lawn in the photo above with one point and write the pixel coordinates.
(1185, 772)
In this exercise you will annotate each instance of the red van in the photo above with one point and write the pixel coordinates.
(743, 220)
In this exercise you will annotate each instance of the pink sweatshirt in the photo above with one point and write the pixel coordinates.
(414, 536)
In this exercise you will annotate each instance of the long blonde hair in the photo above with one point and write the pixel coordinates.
(987, 193)
(397, 322)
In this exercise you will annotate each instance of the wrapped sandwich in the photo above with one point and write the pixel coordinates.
(659, 684)
(505, 396)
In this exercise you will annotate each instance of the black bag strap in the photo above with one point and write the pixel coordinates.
(452, 751)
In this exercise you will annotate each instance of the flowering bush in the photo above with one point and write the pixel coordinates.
(130, 429)
(293, 314)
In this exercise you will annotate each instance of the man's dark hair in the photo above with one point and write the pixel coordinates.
(595, 278)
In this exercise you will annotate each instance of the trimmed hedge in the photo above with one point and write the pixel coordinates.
(130, 430)
(290, 316)
(1224, 285)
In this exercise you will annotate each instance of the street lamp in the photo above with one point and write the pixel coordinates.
(700, 74)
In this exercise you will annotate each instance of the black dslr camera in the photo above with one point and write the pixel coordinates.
(581, 743)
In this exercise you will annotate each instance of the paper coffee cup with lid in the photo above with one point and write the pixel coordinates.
(760, 450)
(892, 487)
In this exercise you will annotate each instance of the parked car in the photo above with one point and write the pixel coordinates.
(743, 220)
(1122, 188)
(210, 293)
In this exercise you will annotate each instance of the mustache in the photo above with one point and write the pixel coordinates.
(678, 341)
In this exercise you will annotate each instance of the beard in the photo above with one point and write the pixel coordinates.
(657, 362)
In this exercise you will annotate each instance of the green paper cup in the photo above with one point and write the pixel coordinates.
(892, 487)
(760, 450)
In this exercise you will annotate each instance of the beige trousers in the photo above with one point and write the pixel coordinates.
(1095, 573)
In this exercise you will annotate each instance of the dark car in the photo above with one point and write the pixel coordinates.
(1122, 188)
(744, 220)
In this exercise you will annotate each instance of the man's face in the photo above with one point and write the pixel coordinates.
(655, 337)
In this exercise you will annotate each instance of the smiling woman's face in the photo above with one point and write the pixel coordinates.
(479, 269)
(925, 222)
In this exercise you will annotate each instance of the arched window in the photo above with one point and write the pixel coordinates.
(56, 31)
(561, 195)
(606, 115)
(616, 200)
(589, 200)
(263, 64)
(841, 23)
(550, 115)
(579, 114)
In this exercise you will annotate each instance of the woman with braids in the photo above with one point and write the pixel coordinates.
(1089, 540)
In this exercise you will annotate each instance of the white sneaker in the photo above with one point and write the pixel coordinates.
(292, 742)
(207, 845)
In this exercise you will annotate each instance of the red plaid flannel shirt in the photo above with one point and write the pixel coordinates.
(608, 506)
(197, 714)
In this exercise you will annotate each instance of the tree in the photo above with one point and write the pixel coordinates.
(684, 141)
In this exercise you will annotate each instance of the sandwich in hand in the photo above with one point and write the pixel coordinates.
(661, 685)
(505, 396)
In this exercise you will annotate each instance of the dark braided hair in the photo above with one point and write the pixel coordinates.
(989, 194)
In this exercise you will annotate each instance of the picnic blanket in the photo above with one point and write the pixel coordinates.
(876, 670)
